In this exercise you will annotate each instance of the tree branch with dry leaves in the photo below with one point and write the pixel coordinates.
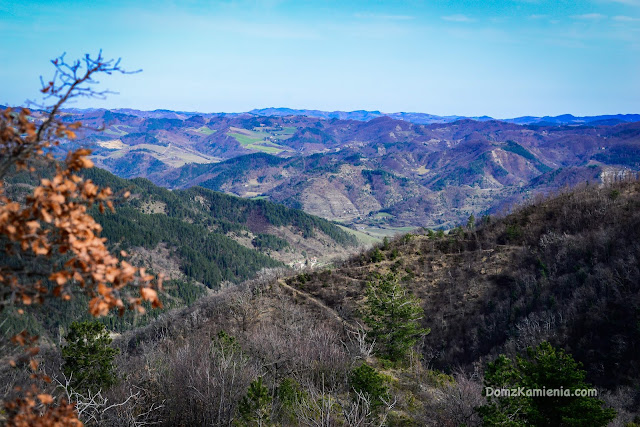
(52, 244)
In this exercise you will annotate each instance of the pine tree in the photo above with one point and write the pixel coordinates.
(88, 359)
(543, 368)
(255, 406)
(393, 316)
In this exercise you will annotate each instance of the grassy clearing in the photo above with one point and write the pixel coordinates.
(364, 238)
(422, 170)
(244, 139)
(381, 233)
(205, 130)
(285, 133)
(173, 156)
(381, 215)
(255, 141)
(114, 132)
(263, 148)
(112, 144)
(118, 130)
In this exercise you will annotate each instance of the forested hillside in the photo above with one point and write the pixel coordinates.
(196, 238)
(563, 269)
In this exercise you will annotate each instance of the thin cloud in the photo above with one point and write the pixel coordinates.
(384, 17)
(590, 16)
(626, 2)
(458, 18)
(623, 18)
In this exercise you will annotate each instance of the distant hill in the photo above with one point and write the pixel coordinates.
(389, 172)
(423, 118)
(365, 169)
(568, 119)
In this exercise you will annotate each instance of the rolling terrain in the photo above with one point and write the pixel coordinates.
(559, 269)
(368, 174)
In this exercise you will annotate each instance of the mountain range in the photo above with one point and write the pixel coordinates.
(365, 115)
(381, 173)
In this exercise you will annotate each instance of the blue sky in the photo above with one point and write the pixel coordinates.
(503, 58)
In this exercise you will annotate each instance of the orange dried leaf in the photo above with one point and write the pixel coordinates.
(148, 294)
(46, 399)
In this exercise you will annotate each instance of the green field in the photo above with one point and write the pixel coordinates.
(285, 133)
(253, 140)
(205, 130)
(245, 140)
(381, 233)
(364, 238)
(118, 130)
(264, 148)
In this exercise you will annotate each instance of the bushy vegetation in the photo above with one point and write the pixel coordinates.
(365, 379)
(544, 369)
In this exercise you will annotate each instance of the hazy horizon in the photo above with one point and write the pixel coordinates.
(500, 58)
(341, 111)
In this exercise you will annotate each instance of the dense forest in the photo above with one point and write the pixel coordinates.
(187, 229)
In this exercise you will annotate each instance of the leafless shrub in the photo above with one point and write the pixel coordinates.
(359, 346)
(211, 377)
(625, 401)
(93, 408)
(319, 408)
(535, 328)
(245, 309)
(358, 412)
(453, 404)
(307, 352)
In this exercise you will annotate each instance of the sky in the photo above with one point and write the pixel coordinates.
(502, 58)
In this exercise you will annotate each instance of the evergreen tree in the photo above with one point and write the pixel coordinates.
(471, 223)
(393, 316)
(88, 359)
(543, 368)
(255, 406)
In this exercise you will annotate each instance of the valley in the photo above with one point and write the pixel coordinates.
(367, 173)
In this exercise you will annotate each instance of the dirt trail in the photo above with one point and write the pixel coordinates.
(318, 303)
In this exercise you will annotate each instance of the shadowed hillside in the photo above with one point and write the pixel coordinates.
(198, 239)
(563, 269)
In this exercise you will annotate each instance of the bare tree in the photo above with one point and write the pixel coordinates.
(358, 412)
(94, 409)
